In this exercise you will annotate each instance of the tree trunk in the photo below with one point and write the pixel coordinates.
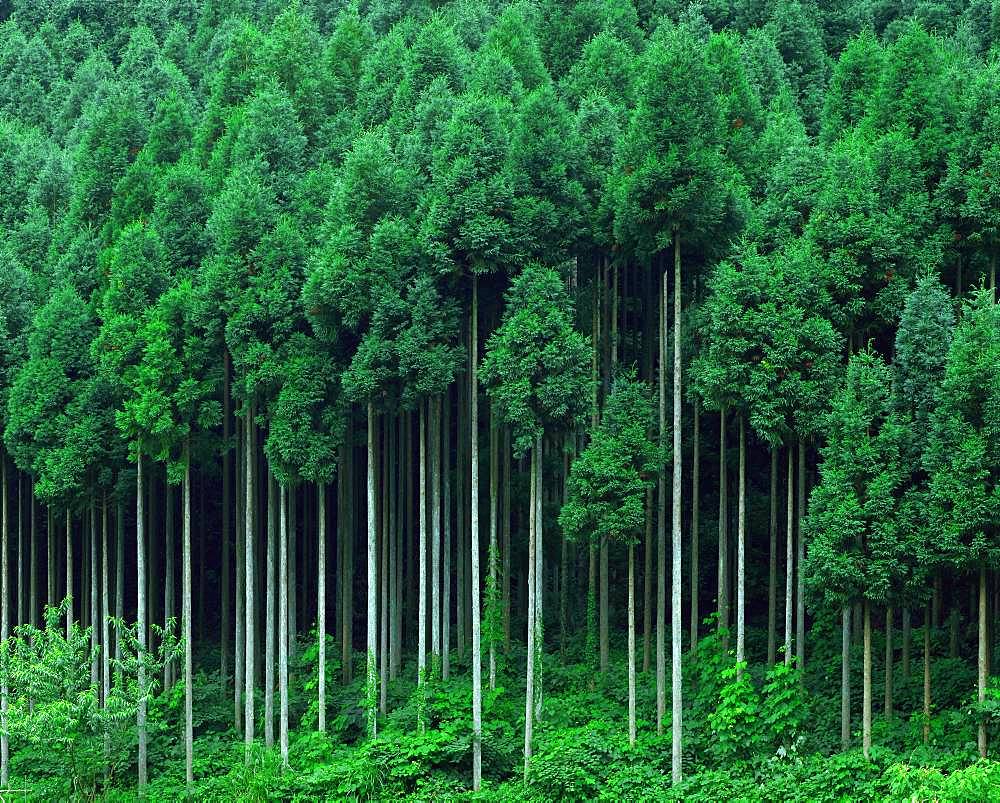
(889, 657)
(631, 645)
(283, 622)
(227, 495)
(675, 636)
(772, 564)
(927, 673)
(320, 598)
(239, 651)
(293, 585)
(866, 714)
(647, 584)
(186, 615)
(119, 569)
(661, 527)
(383, 557)
(492, 552)
(94, 615)
(140, 570)
(345, 523)
(269, 614)
(906, 642)
(529, 687)
(105, 603)
(33, 562)
(422, 561)
(21, 596)
(789, 558)
(845, 676)
(477, 656)
(722, 595)
(461, 544)
(741, 552)
(168, 590)
(800, 560)
(982, 666)
(248, 607)
(446, 568)
(539, 577)
(371, 626)
(695, 504)
(435, 455)
(4, 624)
(506, 550)
(69, 574)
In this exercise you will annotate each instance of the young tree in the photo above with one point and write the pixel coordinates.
(607, 488)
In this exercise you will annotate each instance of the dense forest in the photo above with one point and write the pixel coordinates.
(497, 400)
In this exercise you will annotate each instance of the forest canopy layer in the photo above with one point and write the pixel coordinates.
(499, 400)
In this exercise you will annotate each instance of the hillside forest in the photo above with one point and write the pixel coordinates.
(499, 400)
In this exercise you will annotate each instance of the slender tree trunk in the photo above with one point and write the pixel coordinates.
(539, 577)
(492, 552)
(269, 614)
(564, 562)
(140, 568)
(906, 642)
(105, 605)
(69, 574)
(927, 673)
(321, 598)
(227, 495)
(772, 564)
(293, 585)
(477, 655)
(371, 626)
(168, 589)
(435, 455)
(461, 544)
(506, 540)
(529, 688)
(119, 569)
(383, 557)
(248, 608)
(800, 560)
(647, 584)
(866, 741)
(982, 663)
(675, 636)
(239, 651)
(631, 645)
(789, 558)
(21, 596)
(695, 505)
(845, 676)
(186, 615)
(396, 554)
(5, 624)
(422, 560)
(741, 552)
(603, 618)
(889, 657)
(283, 622)
(723, 577)
(661, 528)
(33, 549)
(446, 590)
(345, 523)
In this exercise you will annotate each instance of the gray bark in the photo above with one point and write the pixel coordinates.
(186, 615)
(529, 688)
(845, 677)
(283, 623)
(248, 607)
(695, 504)
(140, 569)
(477, 655)
(789, 558)
(269, 614)
(631, 645)
(800, 560)
(866, 722)
(320, 598)
(741, 551)
(371, 625)
(675, 636)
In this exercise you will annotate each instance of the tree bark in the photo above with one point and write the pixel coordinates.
(845, 676)
(866, 736)
(239, 651)
(982, 662)
(661, 526)
(168, 590)
(105, 603)
(227, 495)
(772, 564)
(631, 645)
(800, 560)
(722, 594)
(492, 552)
(446, 568)
(321, 599)
(186, 615)
(293, 585)
(695, 535)
(371, 626)
(435, 456)
(789, 558)
(383, 558)
(33, 562)
(506, 540)
(741, 552)
(477, 683)
(539, 578)
(906, 642)
(422, 559)
(283, 623)
(675, 636)
(94, 615)
(927, 673)
(4, 624)
(269, 615)
(140, 570)
(119, 569)
(889, 657)
(248, 607)
(529, 687)
(345, 523)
